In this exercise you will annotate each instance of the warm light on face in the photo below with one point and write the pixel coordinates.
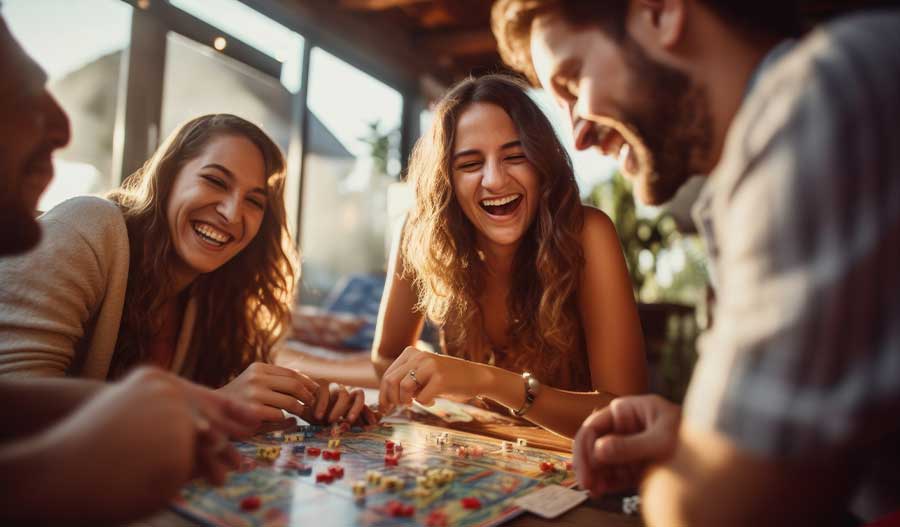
(219, 43)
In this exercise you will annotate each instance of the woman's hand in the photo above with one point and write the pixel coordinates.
(335, 402)
(432, 375)
(274, 389)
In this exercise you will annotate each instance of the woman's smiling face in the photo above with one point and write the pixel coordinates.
(494, 183)
(217, 203)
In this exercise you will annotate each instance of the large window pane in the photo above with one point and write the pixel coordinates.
(255, 29)
(200, 80)
(356, 122)
(80, 45)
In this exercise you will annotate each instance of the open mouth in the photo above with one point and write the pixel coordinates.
(609, 141)
(210, 234)
(503, 206)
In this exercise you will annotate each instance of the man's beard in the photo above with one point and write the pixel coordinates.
(20, 231)
(673, 120)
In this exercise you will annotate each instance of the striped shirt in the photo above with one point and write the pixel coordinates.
(802, 220)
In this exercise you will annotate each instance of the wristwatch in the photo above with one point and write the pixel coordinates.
(532, 388)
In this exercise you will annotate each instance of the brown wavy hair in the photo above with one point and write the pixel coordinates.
(243, 307)
(439, 247)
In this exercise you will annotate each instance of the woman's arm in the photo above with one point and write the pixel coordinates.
(399, 324)
(612, 329)
(559, 411)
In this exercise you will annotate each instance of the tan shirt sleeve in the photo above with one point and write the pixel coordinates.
(51, 297)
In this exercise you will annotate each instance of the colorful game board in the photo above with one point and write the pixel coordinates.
(280, 493)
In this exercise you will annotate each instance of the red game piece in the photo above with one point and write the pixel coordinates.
(331, 455)
(388, 446)
(437, 518)
(547, 466)
(399, 510)
(324, 477)
(471, 503)
(391, 460)
(313, 451)
(251, 503)
(336, 471)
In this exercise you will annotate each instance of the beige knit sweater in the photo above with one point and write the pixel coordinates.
(61, 303)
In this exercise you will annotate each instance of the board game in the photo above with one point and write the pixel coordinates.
(401, 474)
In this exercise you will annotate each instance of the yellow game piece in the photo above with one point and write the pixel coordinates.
(293, 438)
(392, 483)
(373, 477)
(359, 488)
(269, 453)
(334, 443)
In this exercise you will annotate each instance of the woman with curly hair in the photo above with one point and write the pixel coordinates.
(188, 266)
(528, 286)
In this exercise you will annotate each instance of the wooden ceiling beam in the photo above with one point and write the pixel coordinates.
(465, 42)
(379, 5)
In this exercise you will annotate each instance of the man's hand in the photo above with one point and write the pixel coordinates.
(614, 446)
(124, 453)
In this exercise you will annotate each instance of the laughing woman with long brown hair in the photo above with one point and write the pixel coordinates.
(528, 286)
(188, 266)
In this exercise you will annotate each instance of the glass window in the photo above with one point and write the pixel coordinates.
(255, 29)
(80, 45)
(199, 80)
(352, 159)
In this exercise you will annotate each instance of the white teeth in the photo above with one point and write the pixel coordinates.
(624, 151)
(499, 201)
(211, 233)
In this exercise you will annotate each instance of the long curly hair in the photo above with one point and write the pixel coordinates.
(442, 259)
(243, 307)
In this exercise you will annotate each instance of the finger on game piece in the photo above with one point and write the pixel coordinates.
(357, 405)
(340, 403)
(323, 398)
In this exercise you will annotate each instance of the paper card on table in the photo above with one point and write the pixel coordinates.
(551, 501)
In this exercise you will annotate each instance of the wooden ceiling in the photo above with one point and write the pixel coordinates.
(442, 41)
(455, 35)
(438, 40)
